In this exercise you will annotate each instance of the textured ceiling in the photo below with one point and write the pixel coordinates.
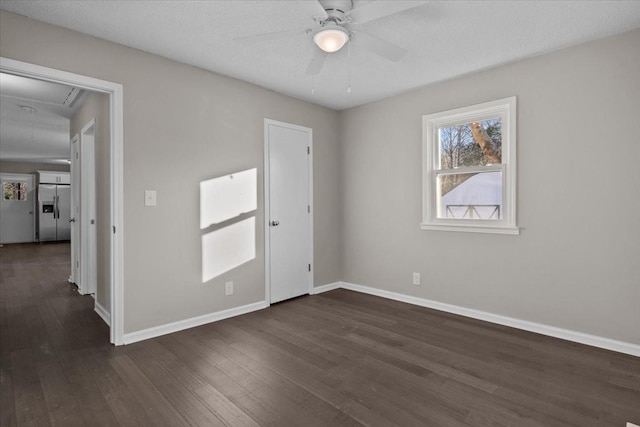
(445, 39)
(34, 123)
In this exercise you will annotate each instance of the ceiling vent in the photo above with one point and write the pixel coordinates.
(71, 97)
(28, 109)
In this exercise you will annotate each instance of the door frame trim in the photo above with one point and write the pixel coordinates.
(88, 233)
(116, 123)
(74, 277)
(266, 184)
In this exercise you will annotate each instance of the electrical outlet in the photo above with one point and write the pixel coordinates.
(228, 288)
(416, 279)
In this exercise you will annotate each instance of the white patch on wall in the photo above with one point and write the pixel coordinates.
(224, 199)
(228, 196)
(228, 248)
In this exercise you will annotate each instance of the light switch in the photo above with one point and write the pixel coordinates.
(150, 198)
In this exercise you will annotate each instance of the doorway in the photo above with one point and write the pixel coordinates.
(288, 210)
(115, 239)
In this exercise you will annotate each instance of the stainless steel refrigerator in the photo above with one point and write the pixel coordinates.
(54, 212)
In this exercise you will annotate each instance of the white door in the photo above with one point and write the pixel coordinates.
(17, 206)
(88, 235)
(74, 277)
(288, 221)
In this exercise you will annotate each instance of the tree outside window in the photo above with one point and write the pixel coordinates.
(14, 190)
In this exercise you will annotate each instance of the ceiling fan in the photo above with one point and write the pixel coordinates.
(336, 23)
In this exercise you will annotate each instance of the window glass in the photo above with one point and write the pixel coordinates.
(471, 144)
(15, 190)
(471, 196)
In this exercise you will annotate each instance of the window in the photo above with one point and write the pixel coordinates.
(15, 190)
(469, 168)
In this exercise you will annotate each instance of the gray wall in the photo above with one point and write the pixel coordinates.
(28, 167)
(183, 125)
(576, 264)
(96, 106)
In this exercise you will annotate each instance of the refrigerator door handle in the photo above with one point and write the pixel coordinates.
(57, 214)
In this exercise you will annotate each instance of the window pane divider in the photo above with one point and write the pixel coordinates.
(470, 169)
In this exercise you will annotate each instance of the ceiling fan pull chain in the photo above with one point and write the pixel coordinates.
(349, 68)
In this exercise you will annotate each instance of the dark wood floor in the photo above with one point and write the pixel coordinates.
(336, 359)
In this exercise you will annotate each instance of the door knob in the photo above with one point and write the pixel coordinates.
(72, 220)
(275, 223)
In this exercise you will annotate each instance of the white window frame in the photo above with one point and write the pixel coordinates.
(505, 109)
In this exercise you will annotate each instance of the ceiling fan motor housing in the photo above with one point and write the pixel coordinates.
(337, 9)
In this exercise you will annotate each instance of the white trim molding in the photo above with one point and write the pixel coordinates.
(539, 328)
(326, 288)
(103, 313)
(180, 325)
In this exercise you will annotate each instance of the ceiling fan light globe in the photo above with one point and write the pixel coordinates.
(331, 40)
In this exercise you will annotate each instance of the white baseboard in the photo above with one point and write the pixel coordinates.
(106, 316)
(326, 288)
(579, 337)
(565, 334)
(181, 325)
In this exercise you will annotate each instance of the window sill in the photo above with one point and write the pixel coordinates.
(471, 229)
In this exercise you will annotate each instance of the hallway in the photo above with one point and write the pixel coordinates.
(47, 333)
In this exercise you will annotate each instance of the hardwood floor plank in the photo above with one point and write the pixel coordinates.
(7, 406)
(39, 342)
(124, 405)
(416, 352)
(372, 406)
(180, 371)
(229, 413)
(58, 393)
(305, 376)
(218, 379)
(336, 359)
(275, 399)
(15, 337)
(93, 407)
(29, 400)
(180, 397)
(316, 407)
(159, 410)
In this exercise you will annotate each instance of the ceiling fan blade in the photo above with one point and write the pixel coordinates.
(383, 48)
(317, 62)
(380, 9)
(270, 36)
(318, 10)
